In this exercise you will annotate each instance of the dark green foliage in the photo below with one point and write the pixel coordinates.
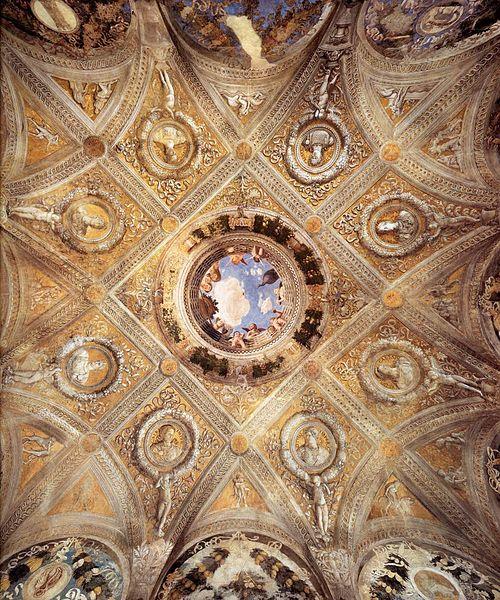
(171, 326)
(273, 228)
(219, 226)
(208, 362)
(199, 234)
(395, 565)
(262, 369)
(288, 583)
(309, 265)
(309, 328)
(196, 579)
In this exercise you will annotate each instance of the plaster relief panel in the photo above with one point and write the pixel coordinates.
(396, 225)
(166, 447)
(319, 146)
(170, 147)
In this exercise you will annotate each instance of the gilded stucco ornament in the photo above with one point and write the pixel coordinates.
(85, 368)
(88, 219)
(313, 448)
(166, 447)
(393, 371)
(89, 368)
(168, 140)
(318, 144)
(493, 468)
(398, 224)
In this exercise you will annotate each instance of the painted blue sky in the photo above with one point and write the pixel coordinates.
(249, 277)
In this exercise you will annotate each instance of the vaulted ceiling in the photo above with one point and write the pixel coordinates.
(250, 299)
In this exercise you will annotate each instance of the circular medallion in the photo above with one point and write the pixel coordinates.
(432, 584)
(395, 225)
(393, 371)
(91, 220)
(246, 302)
(392, 299)
(169, 367)
(313, 224)
(167, 442)
(317, 149)
(169, 224)
(440, 17)
(168, 145)
(91, 442)
(244, 151)
(312, 369)
(94, 146)
(56, 15)
(95, 293)
(47, 581)
(313, 444)
(89, 368)
(390, 152)
(239, 443)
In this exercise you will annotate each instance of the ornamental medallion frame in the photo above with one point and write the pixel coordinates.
(146, 156)
(379, 391)
(188, 457)
(77, 342)
(333, 166)
(368, 236)
(288, 435)
(104, 199)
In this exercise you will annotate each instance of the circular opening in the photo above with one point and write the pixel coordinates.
(242, 295)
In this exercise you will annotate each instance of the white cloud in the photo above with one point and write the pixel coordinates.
(231, 301)
(266, 306)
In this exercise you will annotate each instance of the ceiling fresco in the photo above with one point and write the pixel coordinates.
(250, 33)
(77, 29)
(250, 300)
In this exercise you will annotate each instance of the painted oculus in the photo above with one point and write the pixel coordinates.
(242, 300)
(240, 296)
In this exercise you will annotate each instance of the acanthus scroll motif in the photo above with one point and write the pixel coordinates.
(168, 140)
(313, 449)
(318, 144)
